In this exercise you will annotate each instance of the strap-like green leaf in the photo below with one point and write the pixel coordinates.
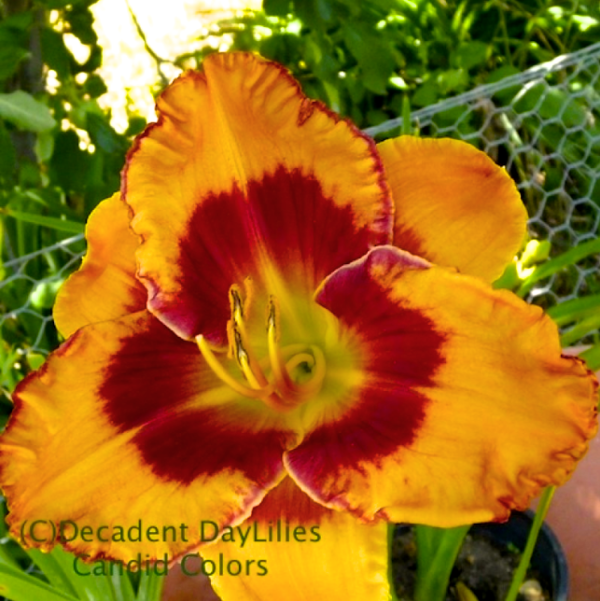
(62, 225)
(16, 585)
(592, 357)
(586, 326)
(575, 309)
(571, 257)
(437, 549)
(90, 587)
(151, 586)
(52, 569)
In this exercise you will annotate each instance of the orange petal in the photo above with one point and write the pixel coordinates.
(244, 176)
(466, 409)
(454, 205)
(297, 550)
(125, 422)
(105, 286)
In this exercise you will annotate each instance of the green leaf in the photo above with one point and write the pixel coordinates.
(470, 54)
(90, 587)
(575, 309)
(333, 95)
(557, 103)
(24, 111)
(509, 279)
(584, 327)
(81, 20)
(426, 94)
(52, 569)
(571, 257)
(62, 225)
(10, 57)
(437, 549)
(277, 8)
(55, 53)
(315, 14)
(151, 586)
(44, 146)
(69, 165)
(102, 134)
(122, 587)
(538, 520)
(592, 357)
(19, 21)
(35, 360)
(375, 57)
(505, 95)
(356, 89)
(16, 585)
(94, 85)
(43, 294)
(453, 80)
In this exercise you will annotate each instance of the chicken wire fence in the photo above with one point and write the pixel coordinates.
(542, 124)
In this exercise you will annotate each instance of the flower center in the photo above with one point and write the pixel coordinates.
(287, 374)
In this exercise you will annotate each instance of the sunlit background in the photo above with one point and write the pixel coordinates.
(170, 28)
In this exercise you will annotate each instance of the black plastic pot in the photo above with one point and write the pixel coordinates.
(548, 562)
(548, 557)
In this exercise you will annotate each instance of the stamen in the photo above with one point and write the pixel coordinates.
(237, 309)
(244, 363)
(225, 377)
(243, 352)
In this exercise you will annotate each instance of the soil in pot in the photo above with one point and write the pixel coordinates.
(483, 565)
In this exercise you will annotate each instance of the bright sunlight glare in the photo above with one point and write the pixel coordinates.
(171, 28)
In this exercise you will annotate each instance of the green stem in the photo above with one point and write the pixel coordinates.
(521, 570)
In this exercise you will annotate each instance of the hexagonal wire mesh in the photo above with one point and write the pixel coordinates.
(542, 124)
(28, 324)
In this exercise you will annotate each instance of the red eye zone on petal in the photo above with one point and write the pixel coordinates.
(402, 351)
(283, 221)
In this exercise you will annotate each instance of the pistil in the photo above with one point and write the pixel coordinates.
(224, 375)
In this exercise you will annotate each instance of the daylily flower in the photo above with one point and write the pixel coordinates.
(278, 320)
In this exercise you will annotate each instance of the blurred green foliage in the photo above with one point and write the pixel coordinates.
(362, 58)
(59, 156)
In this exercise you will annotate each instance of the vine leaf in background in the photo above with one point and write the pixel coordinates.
(24, 111)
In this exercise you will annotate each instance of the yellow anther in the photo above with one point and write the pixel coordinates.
(237, 309)
(244, 363)
(242, 350)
